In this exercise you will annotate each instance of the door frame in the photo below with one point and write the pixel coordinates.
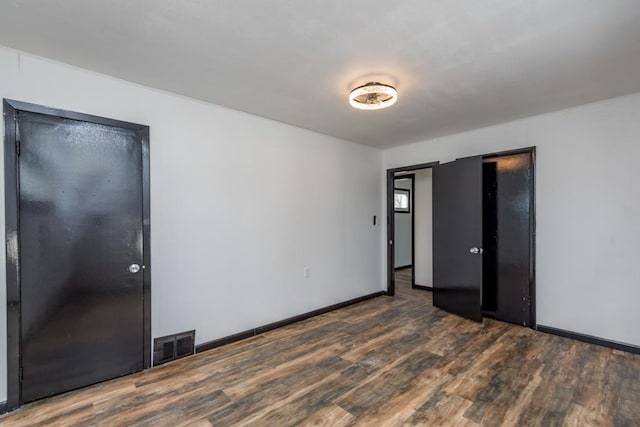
(11, 185)
(391, 285)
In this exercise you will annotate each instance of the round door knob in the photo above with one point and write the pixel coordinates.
(134, 268)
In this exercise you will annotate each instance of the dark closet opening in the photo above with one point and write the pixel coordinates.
(489, 238)
(507, 221)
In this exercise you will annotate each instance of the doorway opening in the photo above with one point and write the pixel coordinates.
(409, 228)
(404, 227)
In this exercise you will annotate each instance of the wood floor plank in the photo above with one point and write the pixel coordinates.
(277, 392)
(286, 370)
(330, 416)
(295, 410)
(380, 388)
(442, 410)
(387, 361)
(405, 400)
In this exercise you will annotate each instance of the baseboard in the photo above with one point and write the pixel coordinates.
(3, 407)
(589, 339)
(402, 267)
(423, 287)
(279, 324)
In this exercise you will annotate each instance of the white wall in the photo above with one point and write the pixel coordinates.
(402, 232)
(588, 209)
(422, 195)
(239, 204)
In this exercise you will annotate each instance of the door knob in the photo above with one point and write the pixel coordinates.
(134, 268)
(475, 251)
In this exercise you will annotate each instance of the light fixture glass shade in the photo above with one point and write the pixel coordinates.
(373, 96)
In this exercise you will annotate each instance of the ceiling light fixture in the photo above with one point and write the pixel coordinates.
(373, 96)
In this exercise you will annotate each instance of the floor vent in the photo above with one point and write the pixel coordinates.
(171, 347)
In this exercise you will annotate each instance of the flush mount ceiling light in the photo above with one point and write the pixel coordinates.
(373, 96)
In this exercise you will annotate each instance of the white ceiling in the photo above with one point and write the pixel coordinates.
(457, 65)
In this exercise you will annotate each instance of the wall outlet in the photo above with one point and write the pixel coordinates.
(307, 272)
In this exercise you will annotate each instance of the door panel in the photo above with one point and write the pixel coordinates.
(457, 227)
(80, 227)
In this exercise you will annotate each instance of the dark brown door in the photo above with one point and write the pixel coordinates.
(457, 237)
(81, 253)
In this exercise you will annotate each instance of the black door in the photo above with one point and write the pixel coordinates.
(508, 205)
(80, 225)
(457, 237)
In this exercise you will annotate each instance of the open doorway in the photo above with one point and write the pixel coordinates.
(404, 223)
(410, 228)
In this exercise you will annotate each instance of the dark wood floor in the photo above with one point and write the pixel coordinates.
(402, 278)
(386, 361)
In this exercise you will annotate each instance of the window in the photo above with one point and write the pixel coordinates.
(401, 200)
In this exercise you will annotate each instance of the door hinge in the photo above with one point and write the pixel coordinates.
(18, 147)
(20, 374)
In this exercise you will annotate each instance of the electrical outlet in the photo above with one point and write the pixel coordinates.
(307, 272)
